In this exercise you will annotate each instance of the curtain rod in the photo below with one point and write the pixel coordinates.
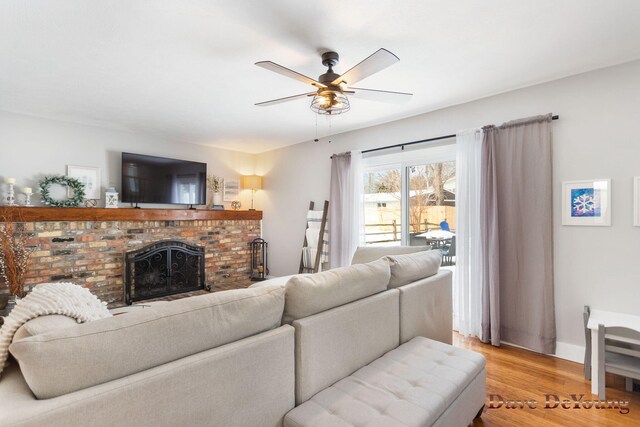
(437, 138)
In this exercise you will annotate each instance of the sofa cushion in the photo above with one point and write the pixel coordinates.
(426, 308)
(44, 324)
(308, 294)
(411, 267)
(365, 254)
(335, 343)
(59, 362)
(412, 385)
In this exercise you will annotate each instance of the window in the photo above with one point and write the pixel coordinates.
(410, 199)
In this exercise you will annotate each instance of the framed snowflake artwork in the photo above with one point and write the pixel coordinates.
(586, 202)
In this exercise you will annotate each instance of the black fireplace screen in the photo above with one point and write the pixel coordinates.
(163, 268)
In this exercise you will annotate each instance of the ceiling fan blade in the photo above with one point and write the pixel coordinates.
(377, 61)
(272, 66)
(380, 95)
(288, 98)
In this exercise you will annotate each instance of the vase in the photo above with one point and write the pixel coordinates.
(217, 198)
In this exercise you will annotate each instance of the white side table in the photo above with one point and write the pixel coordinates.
(608, 319)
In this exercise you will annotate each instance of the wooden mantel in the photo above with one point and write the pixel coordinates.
(44, 214)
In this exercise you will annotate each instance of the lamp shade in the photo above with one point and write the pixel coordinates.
(252, 182)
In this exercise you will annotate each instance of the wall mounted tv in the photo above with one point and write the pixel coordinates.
(149, 179)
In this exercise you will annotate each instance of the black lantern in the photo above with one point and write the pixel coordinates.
(259, 269)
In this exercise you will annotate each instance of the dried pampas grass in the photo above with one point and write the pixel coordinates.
(14, 255)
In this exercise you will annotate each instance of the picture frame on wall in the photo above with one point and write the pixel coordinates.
(231, 190)
(89, 177)
(636, 201)
(586, 202)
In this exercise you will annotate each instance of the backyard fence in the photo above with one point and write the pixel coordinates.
(392, 232)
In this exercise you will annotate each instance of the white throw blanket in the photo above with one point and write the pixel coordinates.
(50, 298)
(314, 222)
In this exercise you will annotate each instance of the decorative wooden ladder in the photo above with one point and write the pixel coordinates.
(323, 225)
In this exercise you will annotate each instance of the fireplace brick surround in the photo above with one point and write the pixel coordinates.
(91, 253)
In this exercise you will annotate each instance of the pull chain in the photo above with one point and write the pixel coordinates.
(316, 138)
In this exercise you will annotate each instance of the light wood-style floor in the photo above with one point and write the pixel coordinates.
(517, 374)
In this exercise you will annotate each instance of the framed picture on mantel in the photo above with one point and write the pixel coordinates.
(231, 190)
(89, 177)
(586, 202)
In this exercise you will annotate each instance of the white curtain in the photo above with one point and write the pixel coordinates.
(356, 206)
(344, 207)
(467, 281)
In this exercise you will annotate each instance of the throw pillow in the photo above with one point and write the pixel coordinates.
(411, 267)
(308, 294)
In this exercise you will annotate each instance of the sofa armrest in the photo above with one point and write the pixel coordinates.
(426, 308)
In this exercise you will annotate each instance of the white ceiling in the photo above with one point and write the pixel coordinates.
(183, 69)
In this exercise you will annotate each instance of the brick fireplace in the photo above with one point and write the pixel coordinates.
(87, 246)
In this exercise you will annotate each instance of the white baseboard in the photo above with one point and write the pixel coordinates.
(572, 352)
(566, 351)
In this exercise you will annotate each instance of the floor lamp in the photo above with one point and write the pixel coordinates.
(253, 183)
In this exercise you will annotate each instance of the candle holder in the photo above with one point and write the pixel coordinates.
(27, 201)
(11, 198)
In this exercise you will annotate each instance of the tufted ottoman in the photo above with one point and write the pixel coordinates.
(421, 383)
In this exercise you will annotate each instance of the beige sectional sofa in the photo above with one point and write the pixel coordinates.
(340, 346)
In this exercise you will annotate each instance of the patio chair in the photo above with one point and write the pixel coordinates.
(448, 252)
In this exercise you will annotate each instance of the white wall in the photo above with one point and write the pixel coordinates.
(32, 147)
(597, 136)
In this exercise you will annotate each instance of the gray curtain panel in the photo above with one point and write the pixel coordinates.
(339, 211)
(490, 239)
(517, 220)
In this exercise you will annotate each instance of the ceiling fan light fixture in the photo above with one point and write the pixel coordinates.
(330, 102)
(331, 89)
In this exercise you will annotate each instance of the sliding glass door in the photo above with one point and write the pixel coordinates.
(412, 201)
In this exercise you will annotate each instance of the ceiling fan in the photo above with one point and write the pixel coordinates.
(330, 96)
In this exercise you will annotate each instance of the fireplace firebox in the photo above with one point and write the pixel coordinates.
(167, 267)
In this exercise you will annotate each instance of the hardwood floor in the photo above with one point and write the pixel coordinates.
(517, 374)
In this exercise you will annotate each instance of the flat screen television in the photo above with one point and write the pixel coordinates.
(149, 179)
